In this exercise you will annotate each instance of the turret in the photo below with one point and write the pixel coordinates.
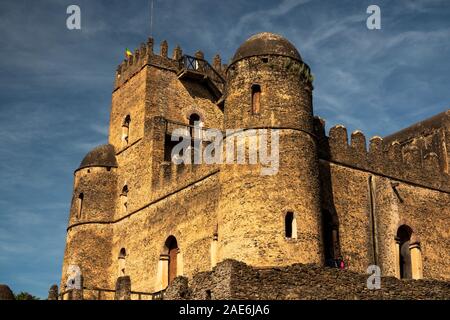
(274, 219)
(94, 200)
(95, 186)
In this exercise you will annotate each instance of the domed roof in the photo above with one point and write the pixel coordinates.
(6, 293)
(266, 43)
(101, 156)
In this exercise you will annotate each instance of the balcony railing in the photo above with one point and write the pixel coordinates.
(202, 66)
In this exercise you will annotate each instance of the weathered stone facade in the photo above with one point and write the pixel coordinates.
(233, 280)
(135, 213)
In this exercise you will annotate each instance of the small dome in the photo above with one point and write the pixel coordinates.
(101, 156)
(266, 43)
(6, 293)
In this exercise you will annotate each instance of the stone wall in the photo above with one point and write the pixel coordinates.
(370, 193)
(235, 280)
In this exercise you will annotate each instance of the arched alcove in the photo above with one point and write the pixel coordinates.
(330, 237)
(408, 254)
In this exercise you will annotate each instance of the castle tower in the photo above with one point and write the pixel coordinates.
(88, 244)
(268, 220)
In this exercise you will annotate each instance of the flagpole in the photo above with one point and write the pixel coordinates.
(151, 18)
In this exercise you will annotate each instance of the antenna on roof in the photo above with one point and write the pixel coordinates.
(151, 18)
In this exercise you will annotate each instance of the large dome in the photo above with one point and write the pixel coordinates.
(266, 43)
(101, 156)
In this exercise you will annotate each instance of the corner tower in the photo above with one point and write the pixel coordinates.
(89, 236)
(273, 219)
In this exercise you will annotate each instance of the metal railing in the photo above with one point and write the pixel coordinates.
(202, 66)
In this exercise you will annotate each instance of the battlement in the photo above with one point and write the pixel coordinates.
(389, 159)
(145, 55)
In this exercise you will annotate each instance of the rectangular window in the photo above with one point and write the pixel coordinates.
(256, 98)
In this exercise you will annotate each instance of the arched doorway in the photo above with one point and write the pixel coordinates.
(172, 252)
(403, 239)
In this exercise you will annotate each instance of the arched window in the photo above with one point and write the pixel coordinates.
(172, 248)
(256, 98)
(290, 226)
(80, 205)
(170, 264)
(195, 120)
(126, 131)
(403, 237)
(124, 199)
(409, 255)
(122, 259)
(330, 237)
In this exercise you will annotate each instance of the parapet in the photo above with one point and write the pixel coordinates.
(145, 55)
(402, 162)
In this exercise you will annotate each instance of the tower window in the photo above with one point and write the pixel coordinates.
(126, 131)
(122, 257)
(195, 120)
(290, 226)
(124, 199)
(80, 205)
(256, 98)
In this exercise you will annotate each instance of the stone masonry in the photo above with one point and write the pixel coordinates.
(136, 214)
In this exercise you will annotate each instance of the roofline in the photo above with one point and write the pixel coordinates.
(265, 54)
(94, 166)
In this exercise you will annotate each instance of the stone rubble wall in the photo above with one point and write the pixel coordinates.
(233, 280)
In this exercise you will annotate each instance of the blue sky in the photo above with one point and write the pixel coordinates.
(55, 88)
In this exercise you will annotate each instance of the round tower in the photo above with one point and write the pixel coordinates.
(94, 201)
(267, 220)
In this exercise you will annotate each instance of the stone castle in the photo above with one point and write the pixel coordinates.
(136, 213)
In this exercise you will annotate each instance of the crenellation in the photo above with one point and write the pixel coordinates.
(149, 45)
(394, 153)
(164, 49)
(358, 141)
(338, 143)
(177, 53)
(392, 160)
(199, 55)
(375, 156)
(130, 195)
(143, 49)
(431, 162)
